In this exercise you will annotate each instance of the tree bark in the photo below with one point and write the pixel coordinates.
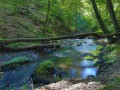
(99, 18)
(112, 15)
(81, 36)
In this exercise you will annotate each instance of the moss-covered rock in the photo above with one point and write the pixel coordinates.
(45, 68)
(15, 62)
(97, 51)
(44, 73)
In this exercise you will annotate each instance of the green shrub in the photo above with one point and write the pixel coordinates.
(115, 85)
(111, 54)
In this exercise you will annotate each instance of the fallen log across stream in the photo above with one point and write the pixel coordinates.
(4, 43)
(83, 35)
(34, 47)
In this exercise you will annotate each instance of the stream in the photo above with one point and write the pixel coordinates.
(70, 58)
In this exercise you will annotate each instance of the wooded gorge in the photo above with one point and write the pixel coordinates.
(52, 36)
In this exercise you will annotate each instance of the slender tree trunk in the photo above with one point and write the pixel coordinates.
(47, 17)
(99, 18)
(112, 15)
(68, 20)
(76, 19)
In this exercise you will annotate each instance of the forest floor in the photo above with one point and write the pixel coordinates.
(27, 21)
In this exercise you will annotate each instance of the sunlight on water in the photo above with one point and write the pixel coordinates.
(89, 72)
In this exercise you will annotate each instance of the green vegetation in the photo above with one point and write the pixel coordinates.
(97, 51)
(29, 17)
(88, 57)
(112, 53)
(52, 18)
(15, 62)
(45, 68)
(115, 85)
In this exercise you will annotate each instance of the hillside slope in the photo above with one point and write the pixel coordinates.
(26, 19)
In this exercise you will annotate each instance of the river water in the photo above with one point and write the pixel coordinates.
(70, 58)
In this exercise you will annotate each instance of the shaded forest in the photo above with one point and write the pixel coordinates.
(48, 26)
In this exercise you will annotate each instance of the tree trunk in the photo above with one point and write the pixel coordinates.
(99, 18)
(112, 15)
(76, 19)
(47, 17)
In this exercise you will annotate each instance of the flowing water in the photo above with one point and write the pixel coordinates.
(69, 60)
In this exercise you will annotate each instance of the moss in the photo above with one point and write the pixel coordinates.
(97, 51)
(15, 62)
(88, 57)
(112, 53)
(45, 68)
(112, 86)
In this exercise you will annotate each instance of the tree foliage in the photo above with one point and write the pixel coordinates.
(73, 15)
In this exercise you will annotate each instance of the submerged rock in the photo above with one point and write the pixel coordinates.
(44, 72)
(1, 74)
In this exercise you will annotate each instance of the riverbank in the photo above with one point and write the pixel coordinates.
(72, 84)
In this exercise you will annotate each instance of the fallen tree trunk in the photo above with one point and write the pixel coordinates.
(9, 41)
(33, 47)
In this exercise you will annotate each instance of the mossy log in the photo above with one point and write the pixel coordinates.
(82, 35)
(4, 43)
(18, 61)
(32, 47)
